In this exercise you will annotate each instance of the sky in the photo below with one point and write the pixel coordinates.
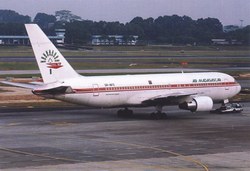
(229, 12)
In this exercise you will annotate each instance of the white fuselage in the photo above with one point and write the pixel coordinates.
(132, 90)
(190, 91)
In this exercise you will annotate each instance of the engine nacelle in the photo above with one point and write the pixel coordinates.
(199, 103)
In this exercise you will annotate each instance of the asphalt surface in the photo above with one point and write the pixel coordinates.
(96, 139)
(227, 65)
(113, 60)
(32, 58)
(110, 71)
(125, 71)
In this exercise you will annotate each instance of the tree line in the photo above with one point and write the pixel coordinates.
(162, 30)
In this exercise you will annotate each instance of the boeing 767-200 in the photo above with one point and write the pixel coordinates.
(190, 91)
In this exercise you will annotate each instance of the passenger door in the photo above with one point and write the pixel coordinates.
(95, 90)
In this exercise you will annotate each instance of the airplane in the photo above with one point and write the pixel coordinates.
(190, 91)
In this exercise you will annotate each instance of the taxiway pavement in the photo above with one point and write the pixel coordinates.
(95, 139)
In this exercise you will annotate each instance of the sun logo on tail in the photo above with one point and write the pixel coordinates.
(51, 59)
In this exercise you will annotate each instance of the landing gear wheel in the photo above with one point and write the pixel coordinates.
(126, 113)
(158, 115)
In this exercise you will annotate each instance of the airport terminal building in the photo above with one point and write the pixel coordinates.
(24, 40)
(114, 40)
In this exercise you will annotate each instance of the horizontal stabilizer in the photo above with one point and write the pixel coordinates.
(54, 91)
(42, 89)
(23, 85)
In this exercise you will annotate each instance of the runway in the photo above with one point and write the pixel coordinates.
(95, 139)
(132, 71)
(162, 64)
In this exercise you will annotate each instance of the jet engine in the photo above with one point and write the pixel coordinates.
(199, 103)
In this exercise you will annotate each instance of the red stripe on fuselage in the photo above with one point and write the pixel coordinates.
(155, 87)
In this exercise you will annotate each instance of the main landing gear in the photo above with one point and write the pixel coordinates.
(125, 113)
(158, 114)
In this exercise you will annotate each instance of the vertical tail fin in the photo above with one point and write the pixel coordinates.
(53, 66)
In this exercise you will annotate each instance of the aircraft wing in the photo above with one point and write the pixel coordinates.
(171, 95)
(162, 98)
(171, 98)
(23, 85)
